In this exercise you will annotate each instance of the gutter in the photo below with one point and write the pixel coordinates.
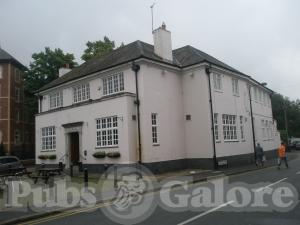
(208, 71)
(136, 67)
(252, 123)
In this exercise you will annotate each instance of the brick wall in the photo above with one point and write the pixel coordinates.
(13, 122)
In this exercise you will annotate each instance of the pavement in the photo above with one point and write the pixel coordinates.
(249, 174)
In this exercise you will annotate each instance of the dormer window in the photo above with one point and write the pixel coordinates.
(113, 84)
(81, 93)
(56, 100)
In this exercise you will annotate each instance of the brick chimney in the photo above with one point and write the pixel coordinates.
(163, 43)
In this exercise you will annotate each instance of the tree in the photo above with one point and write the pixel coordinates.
(98, 49)
(292, 108)
(43, 70)
(45, 66)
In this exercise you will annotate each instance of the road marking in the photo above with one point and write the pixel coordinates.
(205, 213)
(298, 172)
(262, 188)
(65, 214)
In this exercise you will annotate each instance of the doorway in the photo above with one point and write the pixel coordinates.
(74, 148)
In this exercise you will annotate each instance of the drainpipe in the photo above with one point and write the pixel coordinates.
(252, 123)
(9, 110)
(136, 68)
(207, 70)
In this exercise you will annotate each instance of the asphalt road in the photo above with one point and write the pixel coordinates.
(224, 213)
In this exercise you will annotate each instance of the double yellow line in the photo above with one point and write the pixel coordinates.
(66, 214)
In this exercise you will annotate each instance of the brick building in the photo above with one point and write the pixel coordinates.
(16, 124)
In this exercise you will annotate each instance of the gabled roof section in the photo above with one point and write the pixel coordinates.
(188, 56)
(127, 53)
(182, 57)
(5, 57)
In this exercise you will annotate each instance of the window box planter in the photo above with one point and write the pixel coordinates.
(113, 154)
(43, 157)
(52, 157)
(99, 155)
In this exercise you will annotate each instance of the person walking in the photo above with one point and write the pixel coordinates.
(259, 155)
(282, 155)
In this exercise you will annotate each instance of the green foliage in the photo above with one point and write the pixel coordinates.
(99, 155)
(113, 154)
(2, 151)
(43, 70)
(45, 66)
(52, 157)
(97, 49)
(281, 103)
(43, 157)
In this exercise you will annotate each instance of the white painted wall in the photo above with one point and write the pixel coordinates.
(225, 102)
(121, 107)
(96, 86)
(161, 92)
(170, 93)
(198, 139)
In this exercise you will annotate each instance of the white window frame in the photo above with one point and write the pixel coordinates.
(48, 138)
(217, 81)
(235, 86)
(229, 127)
(107, 134)
(242, 128)
(56, 100)
(81, 93)
(113, 84)
(216, 127)
(154, 128)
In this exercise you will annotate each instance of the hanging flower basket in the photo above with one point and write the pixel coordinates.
(99, 155)
(43, 157)
(113, 154)
(52, 157)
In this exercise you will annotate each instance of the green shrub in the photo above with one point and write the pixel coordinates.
(113, 154)
(43, 157)
(99, 155)
(52, 157)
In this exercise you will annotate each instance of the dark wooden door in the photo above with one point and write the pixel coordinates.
(74, 148)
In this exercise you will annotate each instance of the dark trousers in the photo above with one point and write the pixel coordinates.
(285, 161)
(259, 160)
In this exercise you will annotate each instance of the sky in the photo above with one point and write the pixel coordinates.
(260, 38)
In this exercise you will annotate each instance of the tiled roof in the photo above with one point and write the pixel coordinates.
(182, 57)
